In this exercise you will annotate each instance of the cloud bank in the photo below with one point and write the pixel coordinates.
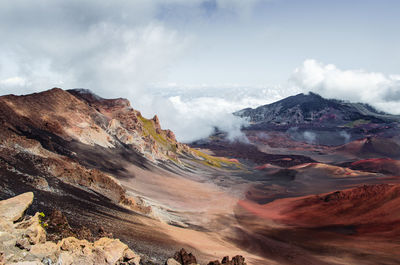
(127, 48)
(195, 110)
(116, 49)
(377, 89)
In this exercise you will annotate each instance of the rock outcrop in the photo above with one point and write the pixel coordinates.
(185, 258)
(57, 228)
(13, 208)
(131, 128)
(24, 242)
(236, 260)
(181, 257)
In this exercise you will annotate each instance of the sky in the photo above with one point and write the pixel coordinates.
(194, 62)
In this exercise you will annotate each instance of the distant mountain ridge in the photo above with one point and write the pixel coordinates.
(314, 110)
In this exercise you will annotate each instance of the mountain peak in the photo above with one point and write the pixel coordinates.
(84, 92)
(313, 110)
(92, 98)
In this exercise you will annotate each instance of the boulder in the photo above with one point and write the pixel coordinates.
(32, 230)
(14, 208)
(75, 251)
(24, 242)
(103, 251)
(132, 257)
(73, 245)
(185, 258)
(46, 250)
(58, 226)
(113, 249)
(236, 260)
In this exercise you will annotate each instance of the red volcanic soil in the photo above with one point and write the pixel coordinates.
(265, 166)
(369, 208)
(372, 147)
(378, 165)
(359, 226)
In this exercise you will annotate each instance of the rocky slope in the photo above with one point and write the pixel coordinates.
(23, 241)
(131, 128)
(83, 156)
(79, 115)
(83, 140)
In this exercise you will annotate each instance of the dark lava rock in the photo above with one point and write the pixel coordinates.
(58, 226)
(185, 258)
(236, 260)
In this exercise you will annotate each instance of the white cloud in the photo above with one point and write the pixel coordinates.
(196, 118)
(310, 137)
(13, 82)
(126, 49)
(117, 49)
(192, 111)
(377, 89)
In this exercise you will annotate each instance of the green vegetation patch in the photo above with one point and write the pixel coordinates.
(149, 129)
(356, 123)
(41, 220)
(214, 161)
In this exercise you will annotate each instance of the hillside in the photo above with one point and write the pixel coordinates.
(101, 164)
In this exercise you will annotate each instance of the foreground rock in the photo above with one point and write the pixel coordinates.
(13, 208)
(24, 242)
(237, 260)
(183, 258)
